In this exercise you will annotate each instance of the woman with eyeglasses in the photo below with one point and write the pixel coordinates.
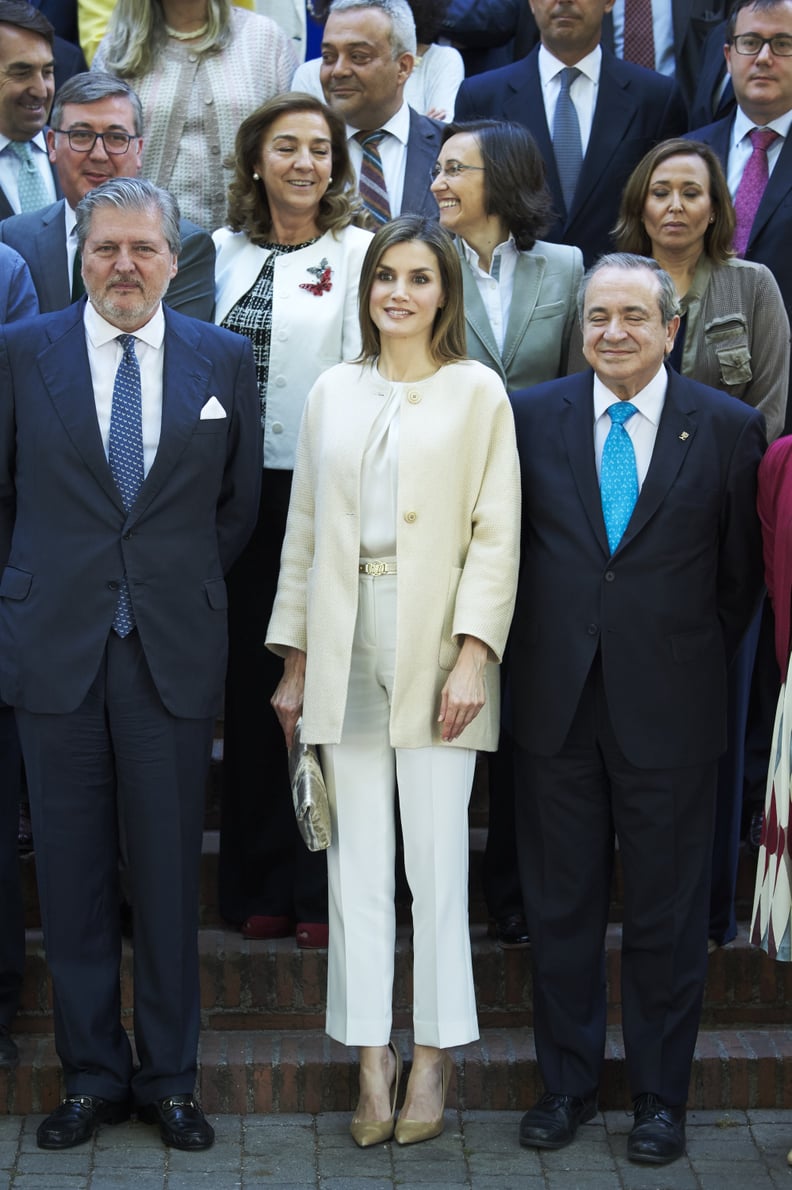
(520, 293)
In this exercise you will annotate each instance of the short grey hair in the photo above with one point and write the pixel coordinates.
(402, 34)
(91, 86)
(666, 298)
(130, 194)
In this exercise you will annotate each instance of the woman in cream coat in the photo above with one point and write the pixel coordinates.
(287, 275)
(395, 596)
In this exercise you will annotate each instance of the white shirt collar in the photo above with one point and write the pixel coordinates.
(398, 125)
(742, 125)
(550, 66)
(100, 331)
(649, 401)
(507, 248)
(38, 141)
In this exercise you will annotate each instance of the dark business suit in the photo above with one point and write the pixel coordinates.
(635, 109)
(619, 716)
(40, 237)
(707, 103)
(17, 300)
(120, 729)
(422, 150)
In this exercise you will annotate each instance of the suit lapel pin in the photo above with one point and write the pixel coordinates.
(683, 437)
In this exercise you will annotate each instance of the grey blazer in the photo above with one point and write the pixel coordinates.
(541, 316)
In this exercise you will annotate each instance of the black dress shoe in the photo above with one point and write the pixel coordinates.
(553, 1122)
(182, 1124)
(75, 1120)
(511, 933)
(658, 1134)
(9, 1054)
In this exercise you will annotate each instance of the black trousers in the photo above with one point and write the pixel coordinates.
(120, 757)
(264, 866)
(568, 809)
(12, 925)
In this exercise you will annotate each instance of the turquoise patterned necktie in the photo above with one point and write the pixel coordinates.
(125, 455)
(618, 474)
(33, 193)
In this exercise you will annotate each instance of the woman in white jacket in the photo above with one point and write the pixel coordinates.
(394, 601)
(287, 276)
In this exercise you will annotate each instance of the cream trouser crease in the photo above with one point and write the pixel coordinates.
(434, 787)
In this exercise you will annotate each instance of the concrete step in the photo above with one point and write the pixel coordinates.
(246, 1071)
(273, 985)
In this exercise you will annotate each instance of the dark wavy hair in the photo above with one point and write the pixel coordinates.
(448, 333)
(629, 234)
(514, 177)
(248, 206)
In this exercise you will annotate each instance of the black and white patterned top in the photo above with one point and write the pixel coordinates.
(252, 314)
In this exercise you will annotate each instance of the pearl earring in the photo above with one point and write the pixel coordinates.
(256, 177)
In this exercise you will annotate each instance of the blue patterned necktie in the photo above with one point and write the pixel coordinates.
(33, 193)
(618, 474)
(371, 184)
(567, 145)
(125, 455)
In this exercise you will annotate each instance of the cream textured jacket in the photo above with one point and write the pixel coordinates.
(457, 546)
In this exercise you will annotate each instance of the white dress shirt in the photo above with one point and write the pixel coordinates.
(740, 148)
(10, 166)
(583, 91)
(642, 426)
(104, 356)
(663, 29)
(496, 286)
(393, 152)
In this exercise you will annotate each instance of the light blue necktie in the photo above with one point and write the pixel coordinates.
(125, 455)
(33, 193)
(618, 474)
(567, 145)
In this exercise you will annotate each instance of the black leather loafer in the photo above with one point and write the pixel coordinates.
(553, 1122)
(658, 1134)
(76, 1118)
(9, 1054)
(511, 933)
(182, 1124)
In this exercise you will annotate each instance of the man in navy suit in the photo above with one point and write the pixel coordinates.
(99, 108)
(27, 85)
(639, 573)
(622, 111)
(368, 50)
(129, 474)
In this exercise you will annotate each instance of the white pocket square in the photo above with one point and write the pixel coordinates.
(212, 409)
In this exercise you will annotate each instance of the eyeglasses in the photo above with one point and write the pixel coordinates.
(82, 140)
(752, 44)
(451, 169)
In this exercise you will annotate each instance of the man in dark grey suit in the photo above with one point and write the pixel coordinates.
(130, 465)
(97, 134)
(27, 75)
(368, 51)
(621, 111)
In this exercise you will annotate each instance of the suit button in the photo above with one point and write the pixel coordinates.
(113, 585)
(609, 576)
(277, 427)
(411, 517)
(593, 629)
(414, 397)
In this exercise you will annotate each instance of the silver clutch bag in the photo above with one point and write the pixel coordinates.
(309, 794)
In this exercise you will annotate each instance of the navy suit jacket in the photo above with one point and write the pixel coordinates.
(635, 109)
(66, 541)
(40, 237)
(422, 151)
(668, 608)
(768, 242)
(17, 295)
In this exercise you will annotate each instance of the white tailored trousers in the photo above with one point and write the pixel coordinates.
(434, 785)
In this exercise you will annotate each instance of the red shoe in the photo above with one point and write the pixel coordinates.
(261, 927)
(312, 935)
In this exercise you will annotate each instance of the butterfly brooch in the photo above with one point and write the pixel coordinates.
(323, 283)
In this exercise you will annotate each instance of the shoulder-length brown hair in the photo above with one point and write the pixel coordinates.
(448, 333)
(629, 234)
(515, 189)
(248, 205)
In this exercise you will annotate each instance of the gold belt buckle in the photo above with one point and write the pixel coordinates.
(375, 569)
